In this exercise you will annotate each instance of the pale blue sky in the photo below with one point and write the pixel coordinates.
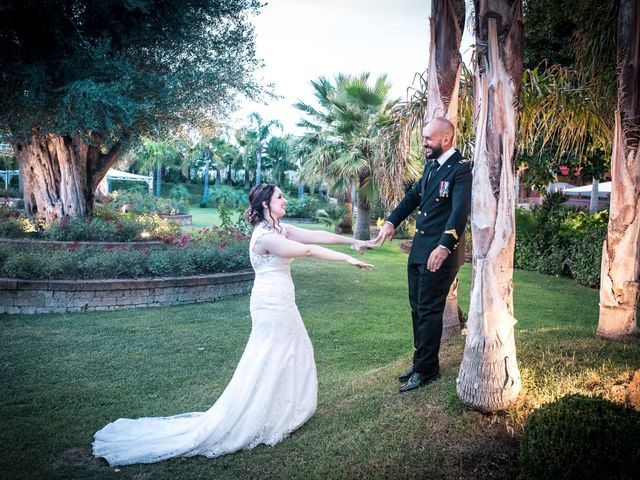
(300, 40)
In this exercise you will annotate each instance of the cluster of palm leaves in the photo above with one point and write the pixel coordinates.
(340, 143)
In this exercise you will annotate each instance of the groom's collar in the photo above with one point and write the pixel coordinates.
(445, 156)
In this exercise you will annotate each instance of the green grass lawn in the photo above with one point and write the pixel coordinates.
(207, 217)
(66, 376)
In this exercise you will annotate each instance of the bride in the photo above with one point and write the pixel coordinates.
(274, 388)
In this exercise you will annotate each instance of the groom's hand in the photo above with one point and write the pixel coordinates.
(437, 258)
(386, 233)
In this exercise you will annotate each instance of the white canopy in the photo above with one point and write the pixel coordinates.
(113, 174)
(604, 188)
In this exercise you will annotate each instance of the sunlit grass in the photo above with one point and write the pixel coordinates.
(65, 376)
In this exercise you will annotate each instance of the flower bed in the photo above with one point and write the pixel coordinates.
(211, 251)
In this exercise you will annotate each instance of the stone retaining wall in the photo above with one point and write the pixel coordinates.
(61, 296)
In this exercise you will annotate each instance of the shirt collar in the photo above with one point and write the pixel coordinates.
(445, 156)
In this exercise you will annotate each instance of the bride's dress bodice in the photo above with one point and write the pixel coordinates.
(272, 287)
(273, 390)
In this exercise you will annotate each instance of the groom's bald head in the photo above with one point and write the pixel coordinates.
(437, 137)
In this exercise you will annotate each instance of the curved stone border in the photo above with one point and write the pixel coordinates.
(67, 244)
(61, 296)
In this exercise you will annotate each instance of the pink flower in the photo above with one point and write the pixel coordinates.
(564, 170)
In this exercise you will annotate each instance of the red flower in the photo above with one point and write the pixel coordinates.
(564, 170)
(222, 244)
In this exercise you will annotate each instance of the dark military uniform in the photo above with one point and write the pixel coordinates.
(443, 199)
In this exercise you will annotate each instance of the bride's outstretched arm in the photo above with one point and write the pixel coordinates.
(284, 247)
(320, 236)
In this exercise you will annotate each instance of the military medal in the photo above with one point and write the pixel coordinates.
(444, 189)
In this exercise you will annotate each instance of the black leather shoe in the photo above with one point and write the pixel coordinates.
(404, 376)
(417, 380)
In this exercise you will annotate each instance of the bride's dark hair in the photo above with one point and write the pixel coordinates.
(258, 194)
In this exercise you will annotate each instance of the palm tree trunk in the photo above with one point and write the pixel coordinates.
(363, 229)
(158, 179)
(445, 68)
(258, 168)
(489, 379)
(620, 272)
(205, 190)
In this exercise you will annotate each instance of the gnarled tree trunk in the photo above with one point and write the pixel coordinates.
(60, 174)
(445, 67)
(620, 271)
(489, 379)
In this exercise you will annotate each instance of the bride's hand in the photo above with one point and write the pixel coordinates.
(361, 246)
(357, 263)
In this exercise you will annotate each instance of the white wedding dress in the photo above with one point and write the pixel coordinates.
(273, 390)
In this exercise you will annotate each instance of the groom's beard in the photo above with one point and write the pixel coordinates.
(436, 151)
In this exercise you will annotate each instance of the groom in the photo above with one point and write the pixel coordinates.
(443, 199)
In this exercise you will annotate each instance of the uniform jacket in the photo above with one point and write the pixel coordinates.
(443, 204)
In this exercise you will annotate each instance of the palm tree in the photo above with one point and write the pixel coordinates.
(254, 138)
(341, 136)
(445, 69)
(489, 379)
(620, 271)
(277, 158)
(154, 154)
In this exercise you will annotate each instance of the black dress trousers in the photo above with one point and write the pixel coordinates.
(428, 296)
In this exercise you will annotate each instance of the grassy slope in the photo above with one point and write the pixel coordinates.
(65, 376)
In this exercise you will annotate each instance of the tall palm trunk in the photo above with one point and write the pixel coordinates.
(158, 179)
(445, 67)
(363, 229)
(205, 189)
(489, 379)
(60, 174)
(620, 271)
(258, 167)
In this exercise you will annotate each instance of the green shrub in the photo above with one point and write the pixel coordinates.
(180, 192)
(108, 225)
(12, 227)
(212, 252)
(581, 437)
(10, 192)
(231, 197)
(305, 207)
(556, 240)
(24, 264)
(332, 216)
(144, 203)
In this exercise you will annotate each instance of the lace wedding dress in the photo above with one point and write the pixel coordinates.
(273, 390)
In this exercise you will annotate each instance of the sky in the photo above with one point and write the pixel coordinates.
(300, 40)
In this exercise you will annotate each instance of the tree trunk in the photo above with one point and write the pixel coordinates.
(258, 168)
(158, 180)
(620, 270)
(593, 200)
(60, 174)
(445, 62)
(229, 180)
(205, 189)
(451, 321)
(346, 226)
(489, 379)
(445, 67)
(363, 230)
